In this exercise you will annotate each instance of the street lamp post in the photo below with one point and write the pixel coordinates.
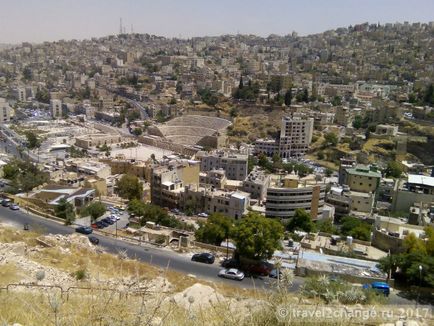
(116, 224)
(227, 246)
(420, 284)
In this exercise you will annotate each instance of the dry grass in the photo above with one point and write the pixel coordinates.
(10, 273)
(9, 235)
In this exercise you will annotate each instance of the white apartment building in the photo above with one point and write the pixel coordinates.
(294, 140)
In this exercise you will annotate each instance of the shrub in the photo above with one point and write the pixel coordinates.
(40, 275)
(80, 274)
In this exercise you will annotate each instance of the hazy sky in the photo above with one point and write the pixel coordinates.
(49, 20)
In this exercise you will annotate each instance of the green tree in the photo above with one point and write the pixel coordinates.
(179, 87)
(129, 187)
(428, 97)
(277, 161)
(326, 226)
(301, 221)
(357, 122)
(356, 228)
(331, 139)
(94, 210)
(32, 140)
(24, 175)
(328, 172)
(393, 169)
(288, 97)
(417, 252)
(413, 244)
(42, 95)
(337, 100)
(257, 237)
(137, 131)
(152, 213)
(65, 210)
(233, 112)
(216, 229)
(27, 73)
(10, 171)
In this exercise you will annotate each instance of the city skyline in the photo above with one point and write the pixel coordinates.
(34, 21)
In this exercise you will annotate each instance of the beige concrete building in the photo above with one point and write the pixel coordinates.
(230, 203)
(234, 165)
(363, 179)
(292, 192)
(5, 111)
(415, 189)
(56, 108)
(169, 180)
(99, 139)
(256, 184)
(389, 233)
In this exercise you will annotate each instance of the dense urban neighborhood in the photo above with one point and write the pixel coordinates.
(287, 163)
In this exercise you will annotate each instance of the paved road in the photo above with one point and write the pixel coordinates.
(155, 256)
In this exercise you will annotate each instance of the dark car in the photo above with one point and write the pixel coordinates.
(230, 263)
(108, 221)
(93, 240)
(84, 230)
(102, 224)
(6, 202)
(204, 258)
(26, 227)
(262, 269)
(273, 273)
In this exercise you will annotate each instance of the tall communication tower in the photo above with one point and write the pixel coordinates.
(120, 26)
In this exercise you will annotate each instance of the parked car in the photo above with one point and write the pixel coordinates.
(26, 227)
(94, 240)
(108, 221)
(94, 226)
(115, 217)
(273, 273)
(204, 257)
(230, 263)
(14, 207)
(231, 273)
(6, 202)
(103, 224)
(99, 225)
(84, 229)
(381, 287)
(262, 269)
(202, 215)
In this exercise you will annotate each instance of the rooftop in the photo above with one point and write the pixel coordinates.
(421, 180)
(364, 171)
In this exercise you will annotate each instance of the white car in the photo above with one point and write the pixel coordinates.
(232, 273)
(115, 217)
(202, 214)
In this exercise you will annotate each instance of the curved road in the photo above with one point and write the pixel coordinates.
(147, 253)
(156, 256)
